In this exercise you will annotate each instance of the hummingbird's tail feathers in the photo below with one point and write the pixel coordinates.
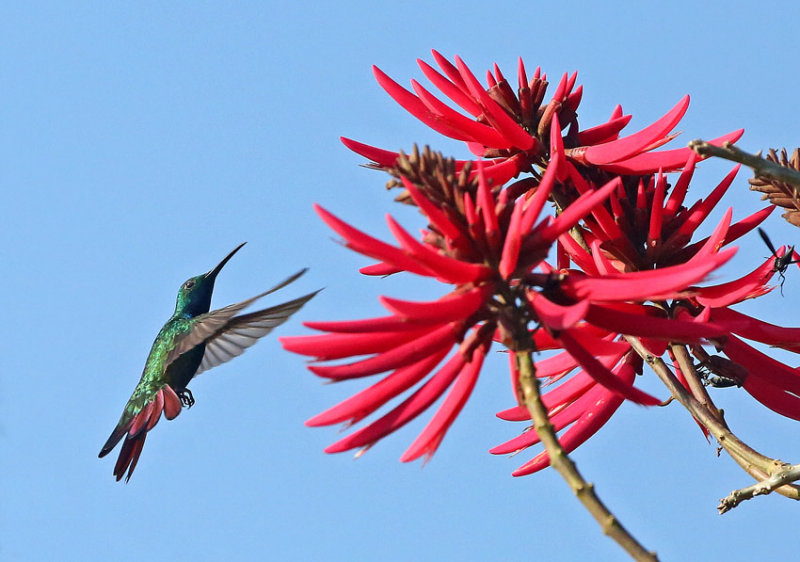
(129, 456)
(241, 332)
(134, 428)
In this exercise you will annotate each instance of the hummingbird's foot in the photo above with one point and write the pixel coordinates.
(186, 397)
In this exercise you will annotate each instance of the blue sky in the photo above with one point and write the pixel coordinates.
(142, 142)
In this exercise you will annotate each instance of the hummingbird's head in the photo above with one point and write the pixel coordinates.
(194, 296)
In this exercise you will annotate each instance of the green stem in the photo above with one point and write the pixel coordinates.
(560, 461)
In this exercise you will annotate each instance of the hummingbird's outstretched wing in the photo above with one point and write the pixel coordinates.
(205, 326)
(240, 332)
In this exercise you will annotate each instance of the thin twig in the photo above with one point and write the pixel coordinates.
(786, 475)
(762, 167)
(754, 463)
(560, 461)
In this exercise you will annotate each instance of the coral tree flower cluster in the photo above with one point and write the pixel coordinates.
(625, 266)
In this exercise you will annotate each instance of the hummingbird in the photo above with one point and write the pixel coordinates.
(193, 340)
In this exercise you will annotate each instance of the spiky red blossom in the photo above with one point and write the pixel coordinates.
(625, 265)
(513, 129)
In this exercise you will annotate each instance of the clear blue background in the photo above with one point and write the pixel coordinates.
(141, 142)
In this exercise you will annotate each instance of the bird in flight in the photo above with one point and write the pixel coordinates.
(193, 340)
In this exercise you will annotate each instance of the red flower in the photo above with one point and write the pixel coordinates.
(626, 266)
(486, 245)
(513, 128)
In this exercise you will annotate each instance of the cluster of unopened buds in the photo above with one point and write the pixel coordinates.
(577, 241)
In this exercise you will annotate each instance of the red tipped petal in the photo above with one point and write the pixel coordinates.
(450, 89)
(603, 133)
(367, 325)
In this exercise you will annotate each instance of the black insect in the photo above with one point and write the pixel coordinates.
(721, 372)
(783, 262)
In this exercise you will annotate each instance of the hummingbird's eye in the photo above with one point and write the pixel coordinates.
(189, 284)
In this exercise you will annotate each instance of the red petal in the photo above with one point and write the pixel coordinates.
(584, 428)
(641, 285)
(434, 214)
(470, 130)
(372, 247)
(405, 412)
(362, 404)
(576, 211)
(560, 420)
(626, 147)
(504, 124)
(454, 306)
(726, 294)
(555, 316)
(449, 89)
(603, 133)
(762, 366)
(379, 269)
(601, 374)
(510, 255)
(443, 267)
(773, 397)
(337, 346)
(643, 325)
(383, 157)
(367, 325)
(668, 160)
(402, 355)
(429, 439)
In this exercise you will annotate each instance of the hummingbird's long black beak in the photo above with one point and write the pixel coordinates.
(213, 273)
